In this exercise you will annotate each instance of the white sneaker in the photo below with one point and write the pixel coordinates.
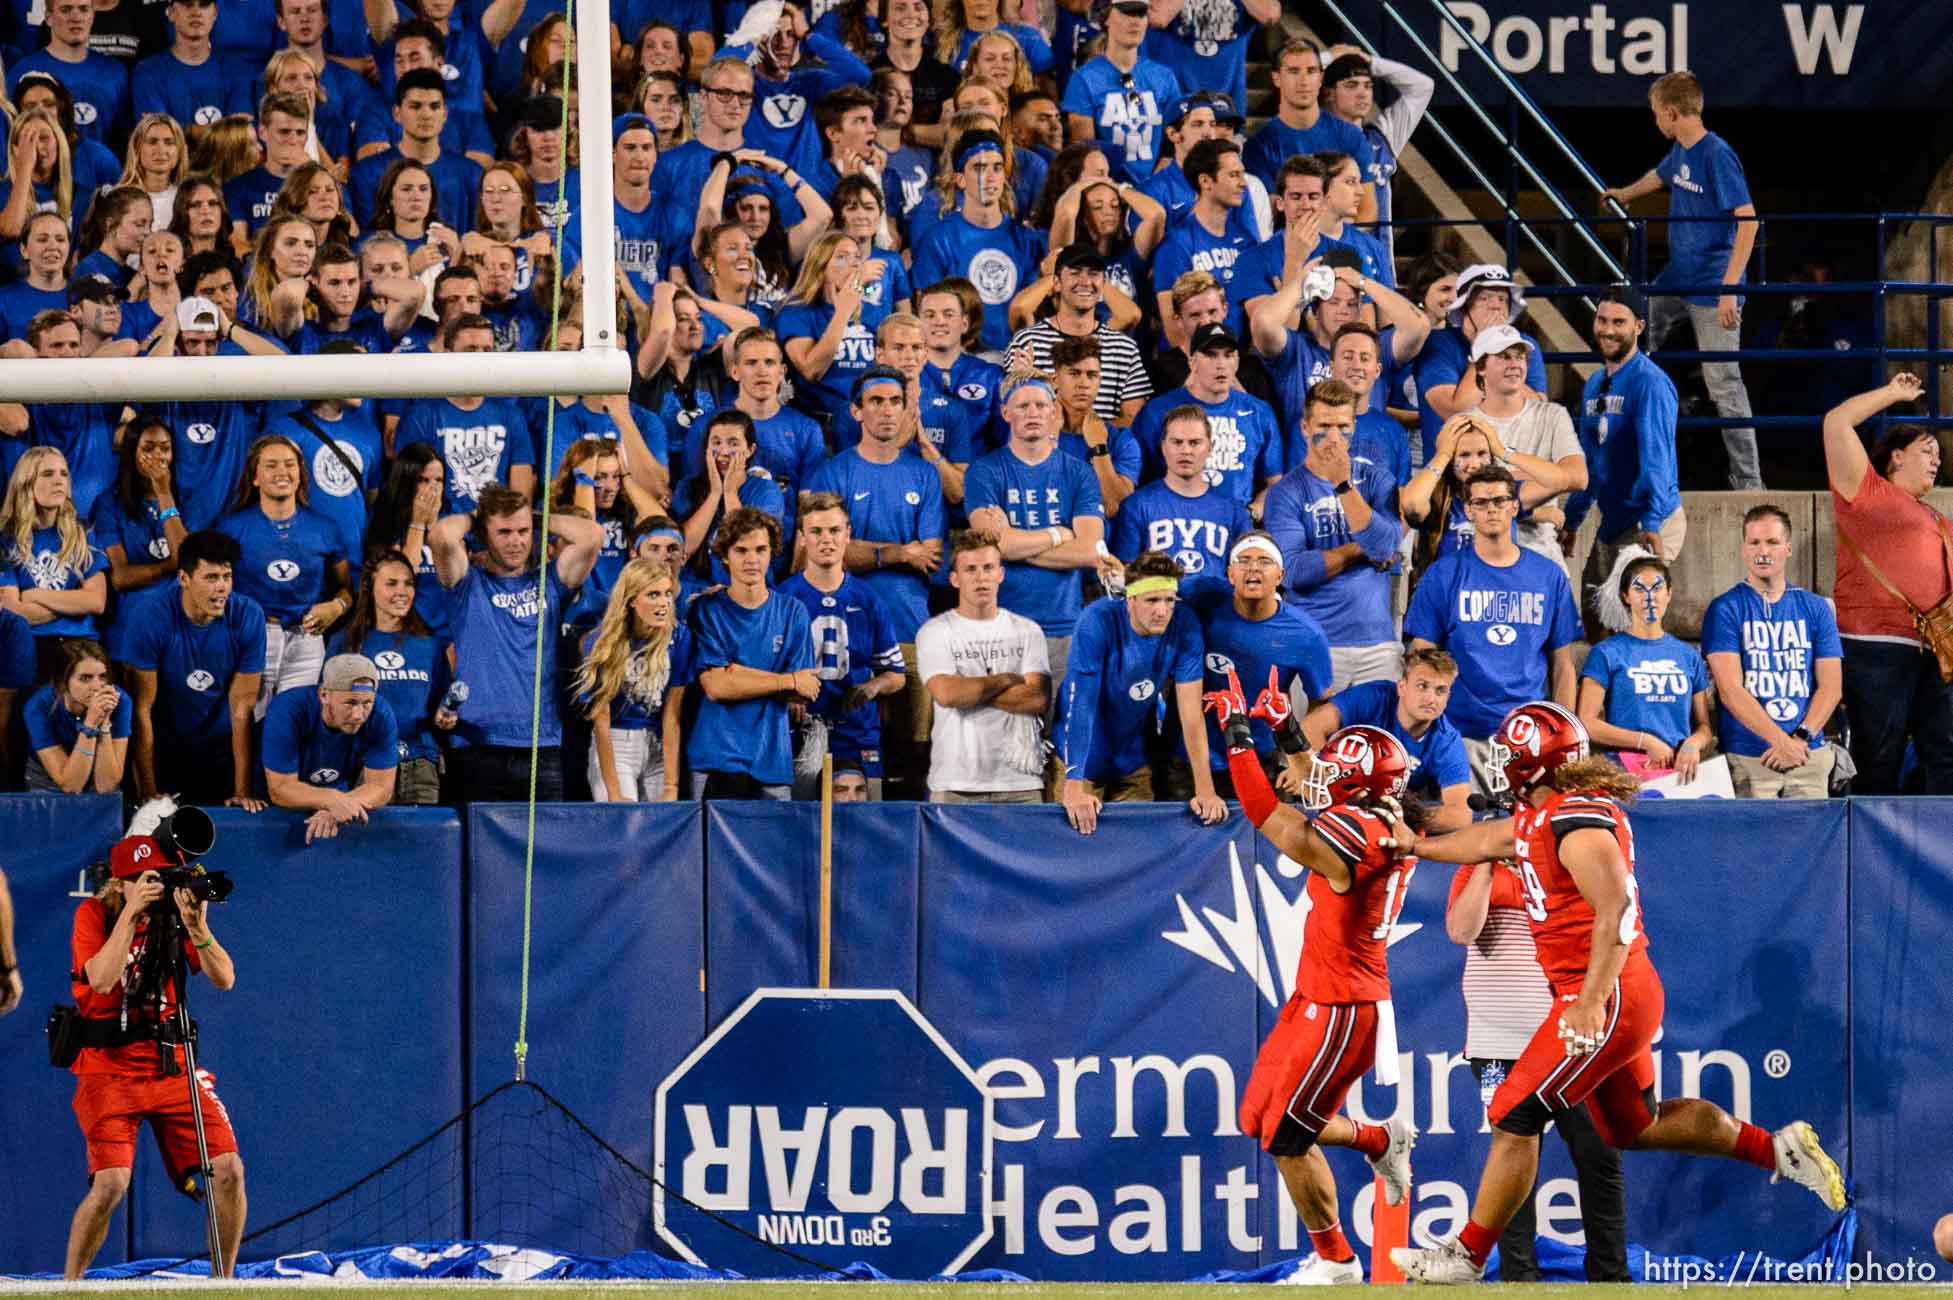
(1393, 1166)
(1317, 1271)
(1802, 1160)
(1445, 1265)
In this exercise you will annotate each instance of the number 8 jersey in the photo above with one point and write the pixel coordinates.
(1562, 920)
(1346, 940)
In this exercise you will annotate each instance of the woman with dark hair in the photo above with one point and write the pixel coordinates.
(294, 564)
(408, 506)
(112, 234)
(1894, 580)
(506, 213)
(77, 725)
(730, 271)
(136, 522)
(1434, 499)
(743, 198)
(728, 482)
(201, 218)
(1124, 223)
(860, 213)
(414, 672)
(406, 208)
(1642, 691)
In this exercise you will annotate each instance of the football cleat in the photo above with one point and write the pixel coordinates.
(1445, 1265)
(1802, 1160)
(1393, 1166)
(1317, 1271)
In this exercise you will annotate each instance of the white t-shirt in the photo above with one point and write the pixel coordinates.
(1545, 430)
(983, 750)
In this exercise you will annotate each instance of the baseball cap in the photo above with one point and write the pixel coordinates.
(1185, 105)
(1223, 105)
(1214, 337)
(1629, 297)
(94, 287)
(1497, 339)
(630, 122)
(1101, 8)
(346, 673)
(198, 314)
(135, 854)
(1080, 256)
(1343, 67)
(1484, 275)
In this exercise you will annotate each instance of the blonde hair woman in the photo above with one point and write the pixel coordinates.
(40, 171)
(825, 327)
(636, 664)
(157, 161)
(59, 582)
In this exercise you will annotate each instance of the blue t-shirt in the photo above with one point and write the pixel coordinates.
(853, 641)
(748, 736)
(366, 329)
(1379, 440)
(790, 448)
(194, 94)
(457, 180)
(1445, 357)
(1196, 531)
(809, 320)
(1247, 442)
(1128, 112)
(1648, 685)
(1049, 494)
(680, 176)
(953, 425)
(18, 666)
(1627, 430)
(898, 502)
(248, 198)
(977, 385)
(646, 241)
(1289, 641)
(1502, 625)
(999, 262)
(298, 742)
(1190, 246)
(413, 677)
(1120, 443)
(51, 726)
(1438, 758)
(1305, 518)
(493, 621)
(194, 665)
(1704, 180)
(576, 421)
(337, 493)
(1118, 689)
(21, 302)
(479, 447)
(98, 84)
(1375, 257)
(42, 570)
(212, 440)
(285, 562)
(1207, 45)
(635, 711)
(1037, 52)
(1299, 366)
(143, 539)
(1779, 643)
(1276, 142)
(84, 434)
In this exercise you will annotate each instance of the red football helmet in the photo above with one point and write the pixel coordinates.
(1357, 764)
(1531, 743)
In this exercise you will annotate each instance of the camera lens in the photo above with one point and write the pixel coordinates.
(189, 832)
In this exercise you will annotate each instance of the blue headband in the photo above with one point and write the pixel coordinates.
(967, 151)
(1031, 383)
(672, 533)
(874, 381)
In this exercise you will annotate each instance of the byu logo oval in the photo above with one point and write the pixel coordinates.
(281, 570)
(84, 113)
(784, 111)
(202, 434)
(913, 498)
(1780, 710)
(200, 681)
(972, 392)
(1142, 690)
(1191, 561)
(208, 113)
(390, 661)
(324, 776)
(159, 548)
(1219, 663)
(1501, 634)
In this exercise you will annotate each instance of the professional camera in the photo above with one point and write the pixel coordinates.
(181, 838)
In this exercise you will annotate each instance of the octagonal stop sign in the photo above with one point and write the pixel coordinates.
(830, 1125)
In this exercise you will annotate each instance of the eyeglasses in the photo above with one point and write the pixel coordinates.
(1488, 503)
(729, 95)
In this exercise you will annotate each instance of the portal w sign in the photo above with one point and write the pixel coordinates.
(833, 1124)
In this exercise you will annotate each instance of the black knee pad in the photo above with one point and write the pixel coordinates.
(1291, 1139)
(1527, 1120)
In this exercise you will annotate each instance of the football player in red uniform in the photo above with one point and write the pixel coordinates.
(1328, 1032)
(1569, 835)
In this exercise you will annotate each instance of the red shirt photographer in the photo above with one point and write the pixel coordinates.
(117, 1088)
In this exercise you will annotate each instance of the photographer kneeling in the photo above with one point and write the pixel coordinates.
(128, 1079)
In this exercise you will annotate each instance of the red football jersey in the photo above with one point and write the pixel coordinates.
(1345, 941)
(1562, 920)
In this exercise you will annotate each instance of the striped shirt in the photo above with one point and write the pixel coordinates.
(1506, 994)
(1122, 370)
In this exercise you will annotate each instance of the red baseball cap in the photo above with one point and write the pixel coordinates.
(134, 855)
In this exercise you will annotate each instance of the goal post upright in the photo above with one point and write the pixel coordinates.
(599, 367)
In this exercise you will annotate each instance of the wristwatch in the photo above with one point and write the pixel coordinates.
(1803, 733)
(1098, 449)
(1344, 486)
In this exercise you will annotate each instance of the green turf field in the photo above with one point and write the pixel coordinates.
(959, 1290)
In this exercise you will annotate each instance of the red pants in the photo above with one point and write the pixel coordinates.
(111, 1107)
(1616, 1082)
(1305, 1069)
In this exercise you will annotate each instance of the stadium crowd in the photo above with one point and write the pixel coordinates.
(996, 393)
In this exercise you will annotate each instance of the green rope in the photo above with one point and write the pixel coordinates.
(543, 628)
